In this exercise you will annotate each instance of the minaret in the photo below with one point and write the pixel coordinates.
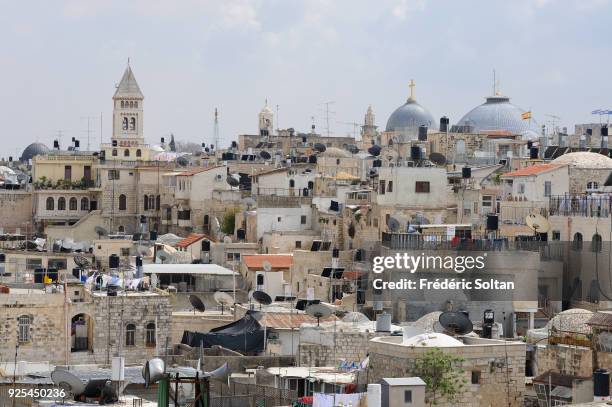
(266, 121)
(368, 130)
(128, 112)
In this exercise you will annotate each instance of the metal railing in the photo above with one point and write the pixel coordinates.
(592, 206)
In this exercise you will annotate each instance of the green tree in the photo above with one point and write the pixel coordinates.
(443, 375)
(229, 222)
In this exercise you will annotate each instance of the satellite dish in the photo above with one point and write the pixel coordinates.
(67, 381)
(163, 256)
(419, 219)
(393, 224)
(232, 181)
(267, 266)
(182, 161)
(319, 147)
(223, 299)
(352, 148)
(265, 155)
(318, 311)
(197, 303)
(219, 372)
(81, 261)
(537, 223)
(437, 158)
(437, 327)
(262, 298)
(153, 371)
(100, 231)
(455, 322)
(374, 150)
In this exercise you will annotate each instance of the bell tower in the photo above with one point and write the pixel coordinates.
(368, 130)
(128, 112)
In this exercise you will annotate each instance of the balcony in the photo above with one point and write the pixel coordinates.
(359, 197)
(589, 206)
(63, 185)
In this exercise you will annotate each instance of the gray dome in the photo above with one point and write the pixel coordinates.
(497, 113)
(408, 117)
(33, 150)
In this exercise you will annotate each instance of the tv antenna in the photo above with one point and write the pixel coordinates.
(355, 127)
(327, 114)
(89, 130)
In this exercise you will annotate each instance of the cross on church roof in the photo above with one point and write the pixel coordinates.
(411, 85)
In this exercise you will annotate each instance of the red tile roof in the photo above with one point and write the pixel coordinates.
(532, 170)
(195, 171)
(191, 239)
(277, 261)
(286, 320)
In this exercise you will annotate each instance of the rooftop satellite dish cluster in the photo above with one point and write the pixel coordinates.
(223, 299)
(454, 323)
(319, 311)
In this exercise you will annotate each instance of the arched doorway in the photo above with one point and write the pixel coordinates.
(81, 333)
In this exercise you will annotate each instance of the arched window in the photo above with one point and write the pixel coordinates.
(84, 204)
(61, 204)
(133, 123)
(122, 104)
(24, 324)
(122, 202)
(130, 335)
(596, 243)
(592, 185)
(138, 153)
(291, 183)
(126, 152)
(151, 202)
(577, 243)
(125, 123)
(150, 334)
(73, 204)
(114, 152)
(121, 229)
(145, 200)
(136, 104)
(157, 202)
(50, 204)
(131, 105)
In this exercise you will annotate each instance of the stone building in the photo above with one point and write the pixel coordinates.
(494, 370)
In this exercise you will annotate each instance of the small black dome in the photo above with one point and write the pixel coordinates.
(33, 150)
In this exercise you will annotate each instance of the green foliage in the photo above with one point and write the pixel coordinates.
(443, 375)
(229, 222)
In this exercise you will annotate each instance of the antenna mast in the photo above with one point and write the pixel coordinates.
(216, 129)
(327, 113)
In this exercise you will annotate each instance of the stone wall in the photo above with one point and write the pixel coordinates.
(15, 210)
(348, 346)
(500, 383)
(564, 359)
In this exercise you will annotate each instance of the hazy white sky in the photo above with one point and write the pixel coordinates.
(59, 61)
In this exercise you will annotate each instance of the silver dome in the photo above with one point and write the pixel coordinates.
(497, 113)
(33, 150)
(408, 117)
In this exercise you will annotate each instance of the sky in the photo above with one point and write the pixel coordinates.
(60, 62)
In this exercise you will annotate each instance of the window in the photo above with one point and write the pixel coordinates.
(577, 242)
(592, 185)
(125, 123)
(487, 201)
(50, 204)
(303, 219)
(381, 189)
(32, 264)
(547, 188)
(157, 202)
(596, 243)
(291, 183)
(133, 124)
(61, 204)
(125, 251)
(131, 104)
(84, 204)
(337, 161)
(421, 187)
(114, 152)
(475, 207)
(68, 172)
(298, 244)
(73, 204)
(407, 396)
(145, 201)
(122, 104)
(151, 202)
(521, 188)
(150, 334)
(390, 186)
(122, 202)
(130, 334)
(556, 235)
(136, 104)
(467, 212)
(233, 256)
(475, 376)
(278, 219)
(24, 323)
(126, 153)
(138, 153)
(113, 174)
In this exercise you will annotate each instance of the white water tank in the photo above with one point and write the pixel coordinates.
(383, 322)
(374, 395)
(118, 369)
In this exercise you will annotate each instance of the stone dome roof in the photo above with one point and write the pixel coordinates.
(498, 114)
(408, 117)
(336, 152)
(427, 321)
(433, 339)
(33, 150)
(572, 320)
(584, 159)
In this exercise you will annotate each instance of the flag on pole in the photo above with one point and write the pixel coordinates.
(526, 115)
(598, 111)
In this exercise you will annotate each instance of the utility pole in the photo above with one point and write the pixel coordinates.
(355, 127)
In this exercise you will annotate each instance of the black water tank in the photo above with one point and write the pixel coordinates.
(113, 261)
(138, 261)
(444, 124)
(466, 172)
(241, 234)
(377, 163)
(39, 275)
(415, 152)
(601, 383)
(529, 144)
(422, 133)
(492, 221)
(312, 159)
(604, 131)
(205, 245)
(589, 132)
(76, 272)
(487, 331)
(153, 235)
(533, 153)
